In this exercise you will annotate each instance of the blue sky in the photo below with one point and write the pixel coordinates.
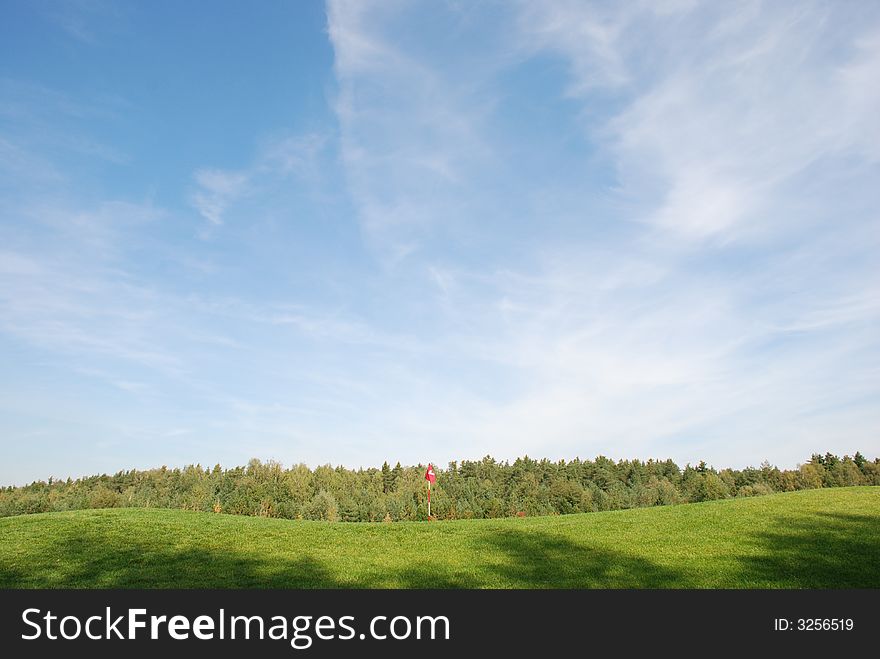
(357, 232)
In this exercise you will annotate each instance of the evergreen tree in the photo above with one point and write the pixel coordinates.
(396, 476)
(387, 482)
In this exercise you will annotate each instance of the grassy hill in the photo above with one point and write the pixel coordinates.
(812, 539)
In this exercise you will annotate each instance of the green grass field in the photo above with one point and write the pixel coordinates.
(811, 539)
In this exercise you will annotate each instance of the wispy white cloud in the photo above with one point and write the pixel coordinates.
(41, 134)
(588, 36)
(413, 136)
(720, 108)
(18, 164)
(860, 97)
(217, 189)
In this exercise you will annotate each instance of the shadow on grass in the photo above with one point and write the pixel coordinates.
(822, 550)
(89, 558)
(536, 560)
(92, 561)
(539, 560)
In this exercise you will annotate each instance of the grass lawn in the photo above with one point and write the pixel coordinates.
(812, 539)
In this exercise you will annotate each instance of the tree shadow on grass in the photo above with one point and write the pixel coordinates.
(541, 560)
(89, 558)
(822, 550)
(87, 562)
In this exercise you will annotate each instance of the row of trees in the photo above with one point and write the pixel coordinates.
(469, 489)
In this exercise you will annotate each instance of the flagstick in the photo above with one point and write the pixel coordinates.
(429, 499)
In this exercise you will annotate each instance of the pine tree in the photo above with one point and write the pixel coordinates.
(396, 475)
(387, 482)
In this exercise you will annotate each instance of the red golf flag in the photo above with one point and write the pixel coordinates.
(429, 475)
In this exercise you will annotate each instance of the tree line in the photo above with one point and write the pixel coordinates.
(464, 490)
